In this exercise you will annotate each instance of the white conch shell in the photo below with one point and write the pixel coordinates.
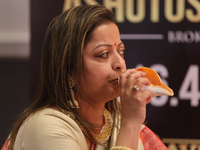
(157, 87)
(156, 91)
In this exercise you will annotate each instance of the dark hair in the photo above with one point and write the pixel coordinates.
(62, 55)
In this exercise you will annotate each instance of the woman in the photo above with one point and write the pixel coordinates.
(77, 107)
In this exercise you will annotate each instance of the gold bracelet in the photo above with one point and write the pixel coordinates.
(120, 148)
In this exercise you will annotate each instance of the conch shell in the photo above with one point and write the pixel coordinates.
(157, 87)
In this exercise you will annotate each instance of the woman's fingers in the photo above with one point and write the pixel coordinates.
(134, 100)
(124, 76)
(131, 78)
(141, 81)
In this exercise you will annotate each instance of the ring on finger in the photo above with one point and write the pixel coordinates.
(136, 87)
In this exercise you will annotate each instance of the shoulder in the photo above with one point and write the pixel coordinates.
(50, 120)
(50, 126)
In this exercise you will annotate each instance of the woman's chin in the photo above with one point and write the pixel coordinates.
(116, 95)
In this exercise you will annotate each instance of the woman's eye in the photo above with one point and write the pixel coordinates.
(122, 52)
(104, 55)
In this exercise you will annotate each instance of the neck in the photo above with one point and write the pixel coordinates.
(92, 112)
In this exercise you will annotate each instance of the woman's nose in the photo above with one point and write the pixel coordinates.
(119, 64)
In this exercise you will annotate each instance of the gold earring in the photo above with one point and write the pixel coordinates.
(73, 104)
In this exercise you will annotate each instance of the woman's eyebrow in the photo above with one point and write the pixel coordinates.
(102, 45)
(120, 43)
(106, 45)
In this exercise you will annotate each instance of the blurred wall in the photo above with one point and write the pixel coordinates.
(14, 62)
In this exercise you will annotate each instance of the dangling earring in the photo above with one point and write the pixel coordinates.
(71, 86)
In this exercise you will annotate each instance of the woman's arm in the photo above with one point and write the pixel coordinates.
(133, 107)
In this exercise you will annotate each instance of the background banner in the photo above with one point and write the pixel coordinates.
(161, 34)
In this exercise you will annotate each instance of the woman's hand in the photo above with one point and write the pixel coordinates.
(133, 104)
(134, 101)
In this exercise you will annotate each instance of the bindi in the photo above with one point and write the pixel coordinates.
(114, 44)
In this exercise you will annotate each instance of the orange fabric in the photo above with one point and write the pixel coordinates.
(151, 141)
(92, 145)
(6, 145)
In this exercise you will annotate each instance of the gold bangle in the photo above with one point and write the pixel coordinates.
(120, 148)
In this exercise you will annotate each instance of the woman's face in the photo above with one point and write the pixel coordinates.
(104, 63)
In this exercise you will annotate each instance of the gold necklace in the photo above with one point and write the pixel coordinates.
(104, 133)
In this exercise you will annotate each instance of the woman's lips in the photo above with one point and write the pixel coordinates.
(115, 81)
